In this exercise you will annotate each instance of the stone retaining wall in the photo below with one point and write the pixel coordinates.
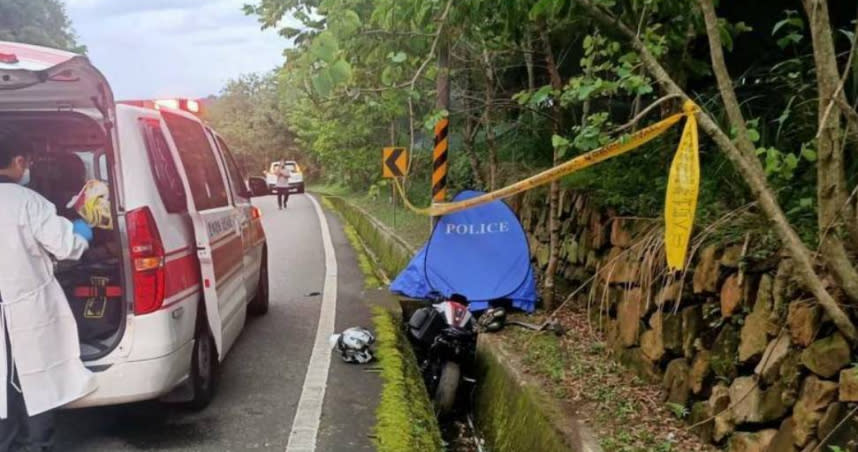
(740, 350)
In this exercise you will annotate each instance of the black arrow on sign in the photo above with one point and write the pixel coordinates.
(391, 162)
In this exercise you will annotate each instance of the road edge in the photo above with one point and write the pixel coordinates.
(305, 426)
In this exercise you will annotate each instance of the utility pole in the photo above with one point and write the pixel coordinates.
(393, 185)
(442, 103)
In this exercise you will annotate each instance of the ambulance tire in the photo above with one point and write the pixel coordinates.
(258, 306)
(204, 366)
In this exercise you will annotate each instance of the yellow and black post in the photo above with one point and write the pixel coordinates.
(439, 162)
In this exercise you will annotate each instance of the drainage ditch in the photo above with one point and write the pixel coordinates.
(458, 429)
(509, 409)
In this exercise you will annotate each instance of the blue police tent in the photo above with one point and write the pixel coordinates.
(481, 253)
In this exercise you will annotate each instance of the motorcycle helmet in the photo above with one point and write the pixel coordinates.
(492, 320)
(354, 345)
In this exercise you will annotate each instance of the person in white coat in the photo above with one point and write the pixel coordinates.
(40, 364)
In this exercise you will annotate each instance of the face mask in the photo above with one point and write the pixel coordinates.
(25, 179)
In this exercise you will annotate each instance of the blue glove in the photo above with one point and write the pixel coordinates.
(82, 229)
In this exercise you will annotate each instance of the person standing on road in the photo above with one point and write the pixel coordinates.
(283, 175)
(40, 362)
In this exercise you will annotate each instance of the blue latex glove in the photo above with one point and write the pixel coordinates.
(82, 229)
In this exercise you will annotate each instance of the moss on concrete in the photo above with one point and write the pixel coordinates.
(364, 262)
(515, 416)
(391, 252)
(405, 420)
(372, 274)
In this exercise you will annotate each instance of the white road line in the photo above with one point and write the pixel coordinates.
(305, 427)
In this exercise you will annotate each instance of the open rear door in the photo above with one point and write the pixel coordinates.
(39, 78)
(34, 78)
(216, 228)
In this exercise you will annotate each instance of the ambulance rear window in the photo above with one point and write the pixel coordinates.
(198, 159)
(163, 168)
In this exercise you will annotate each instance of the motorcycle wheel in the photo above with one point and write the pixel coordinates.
(448, 385)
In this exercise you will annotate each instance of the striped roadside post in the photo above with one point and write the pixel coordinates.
(439, 162)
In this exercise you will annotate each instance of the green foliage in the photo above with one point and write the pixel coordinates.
(789, 29)
(361, 76)
(680, 411)
(592, 134)
(729, 31)
(249, 116)
(39, 22)
(336, 90)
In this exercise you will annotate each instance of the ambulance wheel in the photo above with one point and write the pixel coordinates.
(259, 305)
(204, 367)
(448, 386)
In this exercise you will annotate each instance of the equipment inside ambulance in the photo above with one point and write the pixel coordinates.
(179, 256)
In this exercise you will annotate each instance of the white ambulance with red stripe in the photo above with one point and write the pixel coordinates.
(161, 297)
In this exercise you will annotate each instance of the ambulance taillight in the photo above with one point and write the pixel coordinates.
(148, 258)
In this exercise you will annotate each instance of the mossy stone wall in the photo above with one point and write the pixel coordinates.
(741, 350)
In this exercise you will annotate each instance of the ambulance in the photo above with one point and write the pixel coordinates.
(164, 290)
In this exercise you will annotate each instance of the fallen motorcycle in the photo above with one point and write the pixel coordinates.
(445, 337)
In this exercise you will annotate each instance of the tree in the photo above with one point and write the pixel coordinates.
(741, 152)
(247, 113)
(39, 22)
(537, 81)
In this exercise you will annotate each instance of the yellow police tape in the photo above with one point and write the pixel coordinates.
(681, 191)
(682, 188)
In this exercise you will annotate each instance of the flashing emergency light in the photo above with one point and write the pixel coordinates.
(167, 103)
(189, 105)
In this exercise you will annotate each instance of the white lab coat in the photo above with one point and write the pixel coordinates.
(42, 330)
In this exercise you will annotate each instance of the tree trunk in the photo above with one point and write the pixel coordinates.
(831, 191)
(442, 79)
(749, 168)
(528, 61)
(554, 190)
(410, 141)
(470, 133)
(528, 64)
(487, 118)
(393, 143)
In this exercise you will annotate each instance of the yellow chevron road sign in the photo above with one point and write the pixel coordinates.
(394, 162)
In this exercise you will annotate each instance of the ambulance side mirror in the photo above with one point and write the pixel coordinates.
(258, 186)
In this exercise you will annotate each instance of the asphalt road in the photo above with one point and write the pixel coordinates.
(262, 377)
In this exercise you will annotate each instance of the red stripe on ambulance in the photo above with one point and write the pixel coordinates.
(183, 273)
(227, 256)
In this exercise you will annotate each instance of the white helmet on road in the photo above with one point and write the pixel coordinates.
(354, 345)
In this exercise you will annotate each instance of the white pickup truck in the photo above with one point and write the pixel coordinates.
(296, 180)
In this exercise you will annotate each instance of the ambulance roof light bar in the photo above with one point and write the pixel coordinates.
(192, 106)
(168, 103)
(189, 105)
